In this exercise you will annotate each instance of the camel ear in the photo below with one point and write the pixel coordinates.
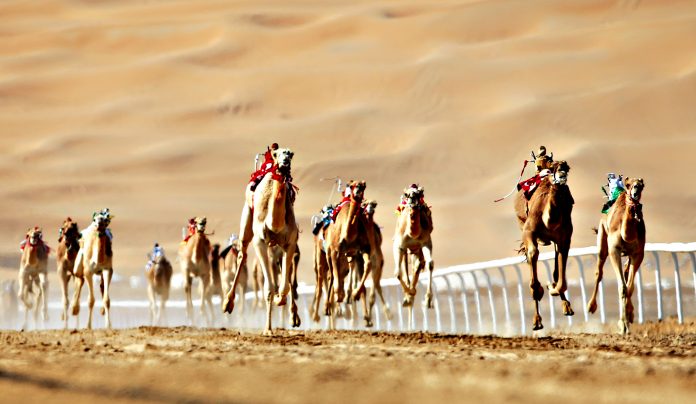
(421, 190)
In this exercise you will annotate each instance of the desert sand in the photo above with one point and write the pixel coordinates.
(156, 110)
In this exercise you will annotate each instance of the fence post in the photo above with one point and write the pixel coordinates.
(639, 289)
(506, 304)
(490, 301)
(477, 295)
(693, 267)
(520, 299)
(677, 286)
(465, 303)
(583, 292)
(658, 285)
(450, 300)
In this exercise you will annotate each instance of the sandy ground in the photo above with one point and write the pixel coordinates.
(657, 363)
(156, 110)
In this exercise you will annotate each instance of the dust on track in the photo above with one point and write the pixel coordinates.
(656, 362)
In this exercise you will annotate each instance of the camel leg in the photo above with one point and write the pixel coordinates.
(162, 313)
(106, 296)
(635, 262)
(399, 256)
(90, 302)
(565, 303)
(189, 302)
(601, 259)
(536, 289)
(153, 310)
(43, 289)
(561, 285)
(615, 257)
(23, 295)
(78, 272)
(268, 279)
(377, 287)
(319, 276)
(419, 264)
(338, 287)
(428, 255)
(285, 276)
(64, 279)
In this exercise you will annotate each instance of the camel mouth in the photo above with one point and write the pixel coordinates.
(560, 177)
(636, 193)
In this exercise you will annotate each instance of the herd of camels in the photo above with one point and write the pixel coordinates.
(347, 250)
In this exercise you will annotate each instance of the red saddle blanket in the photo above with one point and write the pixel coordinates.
(530, 185)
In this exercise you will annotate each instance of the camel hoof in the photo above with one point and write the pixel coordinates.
(368, 323)
(623, 327)
(537, 323)
(267, 333)
(228, 304)
(315, 317)
(75, 310)
(592, 307)
(629, 314)
(428, 301)
(388, 314)
(296, 320)
(567, 310)
(102, 311)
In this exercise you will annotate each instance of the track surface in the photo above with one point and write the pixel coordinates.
(657, 362)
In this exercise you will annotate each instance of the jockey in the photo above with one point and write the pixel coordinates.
(542, 163)
(157, 252)
(346, 200)
(326, 215)
(266, 166)
(189, 230)
(616, 187)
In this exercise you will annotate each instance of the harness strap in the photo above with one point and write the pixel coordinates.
(514, 189)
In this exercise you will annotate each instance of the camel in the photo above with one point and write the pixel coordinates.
(273, 224)
(347, 247)
(33, 273)
(414, 226)
(621, 232)
(322, 276)
(374, 238)
(228, 263)
(194, 258)
(95, 257)
(159, 280)
(546, 219)
(66, 252)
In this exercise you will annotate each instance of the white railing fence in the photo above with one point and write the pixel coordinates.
(480, 298)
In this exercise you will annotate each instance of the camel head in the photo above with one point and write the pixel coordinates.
(559, 171)
(35, 235)
(357, 189)
(370, 207)
(201, 222)
(283, 158)
(634, 188)
(414, 196)
(69, 229)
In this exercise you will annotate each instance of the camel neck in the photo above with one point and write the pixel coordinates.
(414, 223)
(276, 209)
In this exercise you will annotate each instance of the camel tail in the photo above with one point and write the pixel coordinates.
(522, 250)
(595, 230)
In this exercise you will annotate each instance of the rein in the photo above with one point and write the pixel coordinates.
(514, 189)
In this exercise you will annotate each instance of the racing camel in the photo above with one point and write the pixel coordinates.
(621, 232)
(159, 280)
(545, 219)
(343, 240)
(374, 238)
(95, 257)
(273, 224)
(414, 226)
(33, 273)
(194, 258)
(66, 252)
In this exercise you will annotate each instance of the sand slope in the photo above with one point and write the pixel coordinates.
(157, 108)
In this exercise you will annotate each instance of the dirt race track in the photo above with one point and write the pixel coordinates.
(656, 363)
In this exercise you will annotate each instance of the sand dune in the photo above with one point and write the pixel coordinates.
(156, 110)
